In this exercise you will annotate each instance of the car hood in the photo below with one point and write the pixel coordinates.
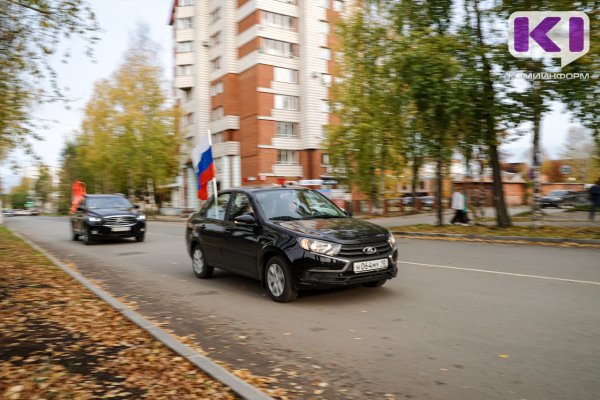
(104, 212)
(336, 229)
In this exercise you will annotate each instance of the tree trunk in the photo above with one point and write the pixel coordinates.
(414, 180)
(438, 189)
(502, 217)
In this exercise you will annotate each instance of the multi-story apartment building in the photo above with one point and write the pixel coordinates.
(257, 75)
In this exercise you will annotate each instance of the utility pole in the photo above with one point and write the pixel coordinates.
(537, 210)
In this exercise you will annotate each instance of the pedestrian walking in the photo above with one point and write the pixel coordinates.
(458, 205)
(594, 199)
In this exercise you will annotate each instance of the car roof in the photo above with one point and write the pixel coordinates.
(254, 189)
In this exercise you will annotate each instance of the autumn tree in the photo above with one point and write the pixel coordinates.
(30, 33)
(43, 185)
(127, 142)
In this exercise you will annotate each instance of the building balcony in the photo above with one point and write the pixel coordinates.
(226, 123)
(184, 81)
(226, 149)
(288, 170)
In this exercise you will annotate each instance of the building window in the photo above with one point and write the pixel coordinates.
(325, 53)
(324, 27)
(183, 3)
(216, 114)
(284, 102)
(188, 94)
(215, 64)
(184, 47)
(184, 70)
(289, 1)
(184, 23)
(287, 157)
(285, 75)
(286, 129)
(325, 159)
(279, 48)
(325, 3)
(189, 119)
(277, 20)
(215, 39)
(215, 15)
(326, 79)
(216, 89)
(325, 106)
(324, 130)
(217, 138)
(338, 5)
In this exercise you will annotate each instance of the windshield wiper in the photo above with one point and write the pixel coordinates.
(284, 218)
(323, 216)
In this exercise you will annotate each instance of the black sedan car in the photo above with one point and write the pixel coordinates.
(288, 239)
(559, 198)
(107, 216)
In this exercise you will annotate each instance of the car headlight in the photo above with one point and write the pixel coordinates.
(94, 219)
(320, 247)
(141, 217)
(392, 240)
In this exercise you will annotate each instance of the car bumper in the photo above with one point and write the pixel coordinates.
(108, 232)
(314, 270)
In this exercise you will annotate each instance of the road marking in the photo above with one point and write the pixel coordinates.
(500, 273)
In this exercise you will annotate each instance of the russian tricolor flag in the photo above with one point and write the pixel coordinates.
(202, 160)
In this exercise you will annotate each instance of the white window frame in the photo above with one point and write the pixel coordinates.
(277, 20)
(286, 75)
(326, 53)
(286, 102)
(324, 106)
(324, 27)
(278, 47)
(215, 39)
(217, 113)
(216, 88)
(215, 15)
(183, 3)
(288, 157)
(185, 47)
(338, 5)
(215, 64)
(286, 129)
(184, 23)
(184, 70)
(324, 3)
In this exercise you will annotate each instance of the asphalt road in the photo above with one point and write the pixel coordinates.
(461, 321)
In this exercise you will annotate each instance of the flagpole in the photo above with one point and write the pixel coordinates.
(214, 180)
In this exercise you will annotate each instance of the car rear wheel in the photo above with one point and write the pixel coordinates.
(378, 283)
(201, 270)
(278, 280)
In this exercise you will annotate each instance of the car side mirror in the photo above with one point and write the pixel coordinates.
(244, 219)
(80, 208)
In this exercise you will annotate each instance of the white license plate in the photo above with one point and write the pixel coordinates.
(371, 265)
(120, 228)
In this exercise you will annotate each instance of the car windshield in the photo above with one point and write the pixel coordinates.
(108, 202)
(293, 204)
(558, 193)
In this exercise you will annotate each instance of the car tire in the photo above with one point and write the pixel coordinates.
(86, 237)
(378, 283)
(140, 238)
(201, 270)
(74, 236)
(278, 280)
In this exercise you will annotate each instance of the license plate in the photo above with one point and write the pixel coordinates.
(371, 265)
(121, 228)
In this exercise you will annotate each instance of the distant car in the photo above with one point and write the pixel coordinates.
(288, 239)
(19, 211)
(8, 212)
(560, 198)
(34, 211)
(427, 201)
(106, 216)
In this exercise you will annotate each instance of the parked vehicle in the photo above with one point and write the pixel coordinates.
(19, 211)
(106, 216)
(288, 239)
(560, 198)
(7, 212)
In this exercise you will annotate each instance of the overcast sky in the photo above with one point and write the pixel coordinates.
(118, 19)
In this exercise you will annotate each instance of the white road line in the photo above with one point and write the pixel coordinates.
(500, 273)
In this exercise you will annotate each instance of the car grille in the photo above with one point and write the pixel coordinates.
(356, 250)
(120, 220)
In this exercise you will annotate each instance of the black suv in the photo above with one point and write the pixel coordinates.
(107, 216)
(288, 239)
(559, 198)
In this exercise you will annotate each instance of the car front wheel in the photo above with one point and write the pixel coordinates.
(201, 270)
(86, 237)
(74, 236)
(278, 280)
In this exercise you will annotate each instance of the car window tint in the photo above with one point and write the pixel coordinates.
(218, 211)
(240, 205)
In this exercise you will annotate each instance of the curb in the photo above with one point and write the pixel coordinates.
(239, 386)
(499, 238)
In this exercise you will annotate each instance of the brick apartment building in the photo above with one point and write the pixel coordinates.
(257, 74)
